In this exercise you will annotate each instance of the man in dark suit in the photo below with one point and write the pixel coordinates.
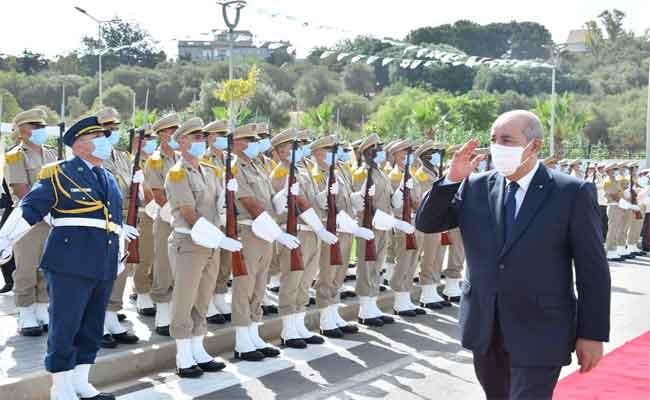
(524, 227)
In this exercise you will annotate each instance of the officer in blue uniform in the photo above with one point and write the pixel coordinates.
(82, 200)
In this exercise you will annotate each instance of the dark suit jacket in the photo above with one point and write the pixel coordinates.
(530, 278)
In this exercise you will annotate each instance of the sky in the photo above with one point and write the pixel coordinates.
(54, 27)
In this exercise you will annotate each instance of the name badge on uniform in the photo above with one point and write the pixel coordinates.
(81, 190)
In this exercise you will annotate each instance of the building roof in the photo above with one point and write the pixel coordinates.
(577, 36)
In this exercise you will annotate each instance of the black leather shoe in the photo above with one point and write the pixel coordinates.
(125, 338)
(349, 329)
(433, 306)
(349, 278)
(45, 327)
(416, 279)
(101, 396)
(275, 289)
(387, 319)
(212, 366)
(121, 317)
(335, 333)
(270, 309)
(419, 311)
(163, 330)
(347, 294)
(454, 299)
(269, 352)
(406, 313)
(312, 301)
(216, 319)
(192, 372)
(294, 343)
(108, 342)
(147, 312)
(33, 331)
(616, 259)
(227, 317)
(133, 296)
(371, 321)
(250, 356)
(314, 339)
(446, 304)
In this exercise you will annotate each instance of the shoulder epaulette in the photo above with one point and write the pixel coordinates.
(359, 175)
(387, 168)
(273, 163)
(48, 170)
(217, 171)
(395, 175)
(316, 175)
(155, 161)
(421, 176)
(279, 172)
(14, 155)
(176, 173)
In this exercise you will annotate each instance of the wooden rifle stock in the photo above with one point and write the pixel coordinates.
(335, 249)
(238, 264)
(132, 215)
(59, 142)
(411, 244)
(633, 197)
(292, 211)
(368, 214)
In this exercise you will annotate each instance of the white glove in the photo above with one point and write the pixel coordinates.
(364, 233)
(311, 218)
(265, 228)
(205, 234)
(289, 241)
(334, 189)
(138, 177)
(327, 236)
(404, 226)
(409, 184)
(232, 185)
(5, 250)
(321, 198)
(152, 209)
(295, 189)
(230, 245)
(15, 226)
(624, 204)
(129, 232)
(280, 202)
(382, 221)
(166, 213)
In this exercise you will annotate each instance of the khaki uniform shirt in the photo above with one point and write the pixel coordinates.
(156, 169)
(396, 177)
(612, 188)
(320, 179)
(23, 164)
(383, 188)
(252, 182)
(119, 164)
(196, 188)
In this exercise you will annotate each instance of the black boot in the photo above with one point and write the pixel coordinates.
(7, 274)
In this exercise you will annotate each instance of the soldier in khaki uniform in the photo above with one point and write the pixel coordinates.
(258, 231)
(23, 164)
(389, 266)
(624, 183)
(143, 273)
(155, 171)
(615, 214)
(367, 284)
(574, 169)
(331, 277)
(406, 261)
(637, 212)
(192, 189)
(429, 244)
(294, 285)
(119, 164)
(597, 177)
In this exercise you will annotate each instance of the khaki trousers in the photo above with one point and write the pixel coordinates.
(625, 227)
(368, 272)
(406, 262)
(224, 273)
(634, 233)
(195, 269)
(615, 216)
(310, 247)
(116, 302)
(248, 290)
(432, 254)
(163, 280)
(331, 277)
(275, 267)
(142, 276)
(29, 283)
(456, 257)
(290, 280)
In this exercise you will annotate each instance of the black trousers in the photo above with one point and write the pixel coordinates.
(502, 381)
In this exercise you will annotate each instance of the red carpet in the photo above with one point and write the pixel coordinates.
(623, 374)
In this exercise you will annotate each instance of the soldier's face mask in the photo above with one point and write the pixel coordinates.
(197, 149)
(173, 144)
(221, 143)
(103, 147)
(39, 136)
(380, 157)
(252, 150)
(150, 146)
(114, 137)
(264, 145)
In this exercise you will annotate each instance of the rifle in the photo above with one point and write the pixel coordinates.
(406, 204)
(59, 142)
(292, 208)
(369, 210)
(134, 200)
(132, 129)
(335, 249)
(238, 264)
(633, 196)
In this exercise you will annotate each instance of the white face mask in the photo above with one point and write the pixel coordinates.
(506, 159)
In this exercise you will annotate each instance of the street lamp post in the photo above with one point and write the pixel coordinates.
(647, 126)
(238, 5)
(555, 49)
(99, 31)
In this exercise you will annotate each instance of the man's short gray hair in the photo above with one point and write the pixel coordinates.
(534, 129)
(532, 126)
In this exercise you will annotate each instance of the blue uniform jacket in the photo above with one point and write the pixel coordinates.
(69, 189)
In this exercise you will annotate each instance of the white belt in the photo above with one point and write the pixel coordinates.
(247, 222)
(186, 231)
(301, 227)
(87, 223)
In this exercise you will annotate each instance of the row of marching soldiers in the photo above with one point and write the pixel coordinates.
(185, 268)
(623, 196)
